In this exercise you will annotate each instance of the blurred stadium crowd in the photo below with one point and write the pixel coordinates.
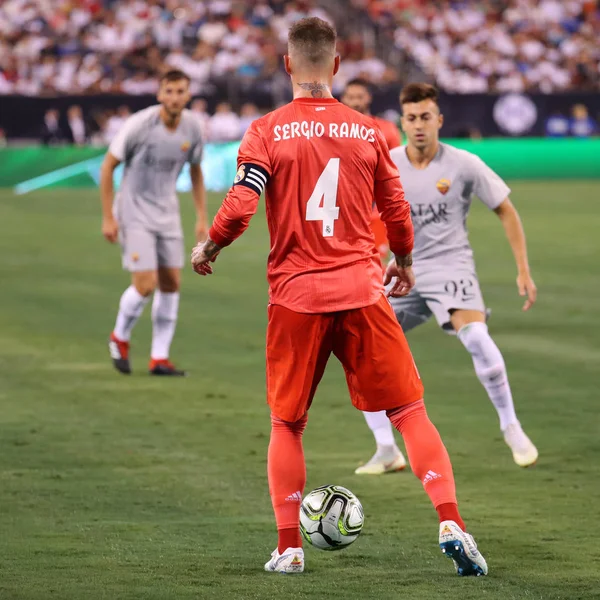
(101, 126)
(480, 46)
(232, 51)
(52, 47)
(55, 47)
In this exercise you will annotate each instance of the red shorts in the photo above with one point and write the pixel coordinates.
(380, 370)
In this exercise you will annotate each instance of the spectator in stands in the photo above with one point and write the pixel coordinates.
(199, 107)
(248, 113)
(197, 66)
(141, 83)
(76, 128)
(114, 123)
(89, 75)
(64, 76)
(6, 86)
(581, 124)
(371, 67)
(261, 14)
(213, 30)
(557, 125)
(224, 125)
(51, 132)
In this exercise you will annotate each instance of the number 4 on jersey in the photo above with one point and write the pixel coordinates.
(321, 204)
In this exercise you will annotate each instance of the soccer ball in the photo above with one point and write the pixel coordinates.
(331, 517)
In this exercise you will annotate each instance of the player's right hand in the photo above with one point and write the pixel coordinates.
(527, 288)
(110, 229)
(204, 253)
(404, 280)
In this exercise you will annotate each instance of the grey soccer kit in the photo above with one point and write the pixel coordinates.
(440, 197)
(146, 205)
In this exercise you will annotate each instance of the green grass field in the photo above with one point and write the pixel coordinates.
(130, 487)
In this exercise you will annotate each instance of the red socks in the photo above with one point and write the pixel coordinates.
(288, 538)
(449, 512)
(428, 458)
(287, 477)
(427, 455)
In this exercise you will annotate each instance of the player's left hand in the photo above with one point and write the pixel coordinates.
(527, 288)
(203, 254)
(405, 280)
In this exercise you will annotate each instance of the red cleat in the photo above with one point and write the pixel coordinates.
(163, 366)
(119, 352)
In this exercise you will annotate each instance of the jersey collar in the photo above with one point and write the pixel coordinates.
(436, 158)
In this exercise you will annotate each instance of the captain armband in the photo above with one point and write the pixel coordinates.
(252, 176)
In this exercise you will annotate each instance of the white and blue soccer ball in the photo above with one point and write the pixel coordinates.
(331, 517)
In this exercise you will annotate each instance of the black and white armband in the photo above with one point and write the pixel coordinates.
(252, 176)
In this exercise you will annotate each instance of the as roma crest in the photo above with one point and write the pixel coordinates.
(443, 185)
(185, 146)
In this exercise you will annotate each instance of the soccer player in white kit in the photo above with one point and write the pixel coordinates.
(154, 144)
(439, 182)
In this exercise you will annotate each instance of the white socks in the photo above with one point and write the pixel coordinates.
(490, 369)
(164, 319)
(131, 307)
(381, 427)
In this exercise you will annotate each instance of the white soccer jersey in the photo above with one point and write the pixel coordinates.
(153, 157)
(440, 197)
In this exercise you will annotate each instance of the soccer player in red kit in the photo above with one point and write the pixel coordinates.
(322, 166)
(357, 95)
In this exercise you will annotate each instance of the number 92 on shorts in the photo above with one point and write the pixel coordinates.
(439, 292)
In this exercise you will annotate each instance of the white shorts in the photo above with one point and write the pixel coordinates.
(439, 292)
(144, 250)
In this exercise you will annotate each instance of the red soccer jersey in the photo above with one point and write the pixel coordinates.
(322, 165)
(390, 132)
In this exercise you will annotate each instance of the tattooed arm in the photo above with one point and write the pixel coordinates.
(404, 262)
(241, 201)
(204, 253)
(400, 272)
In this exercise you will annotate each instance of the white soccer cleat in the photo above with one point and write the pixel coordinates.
(524, 452)
(291, 561)
(462, 549)
(383, 461)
